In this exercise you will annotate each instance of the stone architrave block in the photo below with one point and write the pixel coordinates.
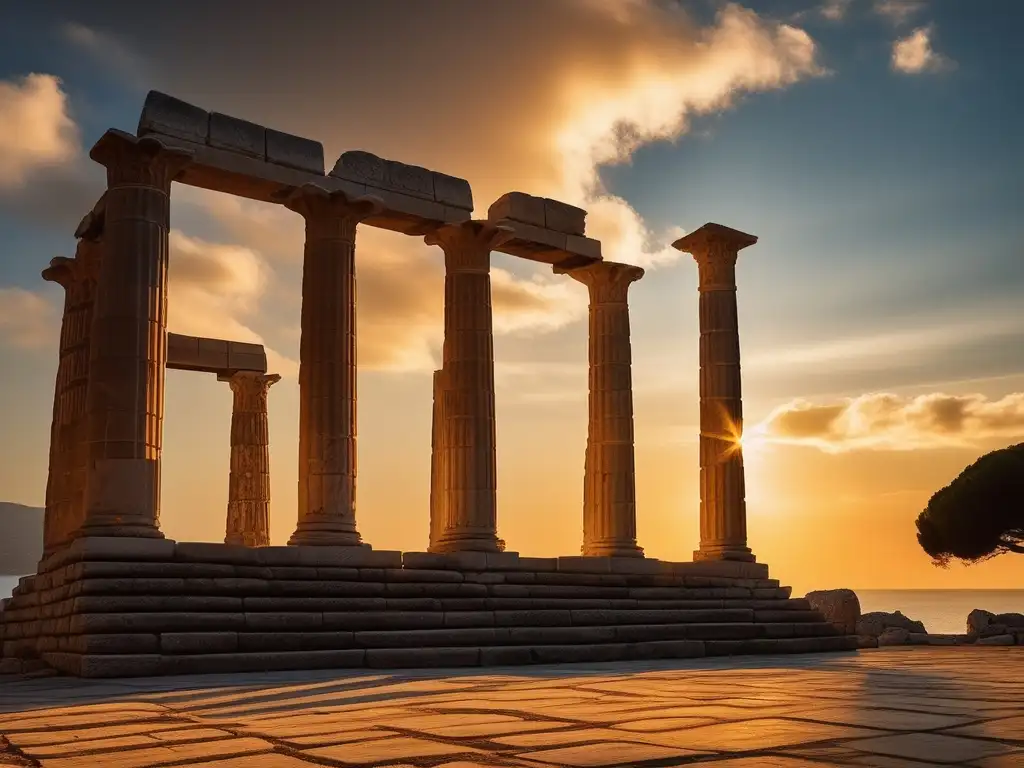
(518, 206)
(362, 168)
(584, 246)
(531, 233)
(563, 217)
(295, 152)
(243, 356)
(237, 135)
(453, 191)
(410, 179)
(169, 116)
(182, 351)
(213, 354)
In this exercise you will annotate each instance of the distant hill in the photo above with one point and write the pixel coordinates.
(21, 538)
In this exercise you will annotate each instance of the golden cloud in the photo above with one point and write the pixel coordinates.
(914, 54)
(890, 422)
(35, 127)
(28, 320)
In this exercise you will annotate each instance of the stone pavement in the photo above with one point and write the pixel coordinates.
(888, 708)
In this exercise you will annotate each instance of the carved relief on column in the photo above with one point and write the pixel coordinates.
(609, 484)
(248, 521)
(467, 469)
(327, 366)
(129, 338)
(723, 515)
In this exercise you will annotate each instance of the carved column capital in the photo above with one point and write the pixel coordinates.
(715, 248)
(331, 215)
(467, 247)
(250, 388)
(608, 281)
(132, 161)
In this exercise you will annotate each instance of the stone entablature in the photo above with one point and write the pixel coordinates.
(218, 356)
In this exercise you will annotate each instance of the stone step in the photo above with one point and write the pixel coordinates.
(147, 664)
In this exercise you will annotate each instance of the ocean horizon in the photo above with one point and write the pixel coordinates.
(942, 611)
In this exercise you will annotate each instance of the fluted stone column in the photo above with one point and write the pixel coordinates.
(723, 509)
(65, 486)
(125, 399)
(327, 366)
(438, 518)
(467, 461)
(609, 475)
(248, 520)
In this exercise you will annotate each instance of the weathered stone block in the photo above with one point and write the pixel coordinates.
(453, 191)
(118, 643)
(119, 665)
(446, 637)
(993, 640)
(266, 621)
(632, 633)
(585, 564)
(313, 604)
(414, 604)
(295, 152)
(131, 623)
(726, 631)
(294, 641)
(399, 575)
(506, 656)
(198, 642)
(362, 167)
(459, 619)
(563, 217)
(113, 548)
(337, 574)
(237, 135)
(666, 649)
(571, 654)
(372, 621)
(518, 206)
(262, 662)
(288, 588)
(154, 603)
(584, 246)
(410, 179)
(173, 117)
(411, 658)
(570, 635)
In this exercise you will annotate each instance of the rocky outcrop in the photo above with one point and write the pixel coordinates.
(985, 627)
(877, 622)
(840, 607)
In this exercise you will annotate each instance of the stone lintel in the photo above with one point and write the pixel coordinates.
(713, 234)
(194, 353)
(165, 115)
(376, 173)
(539, 212)
(547, 245)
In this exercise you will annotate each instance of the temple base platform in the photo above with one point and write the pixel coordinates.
(119, 607)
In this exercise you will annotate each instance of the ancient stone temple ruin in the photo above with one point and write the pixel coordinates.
(114, 597)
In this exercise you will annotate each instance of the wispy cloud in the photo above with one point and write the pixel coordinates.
(898, 11)
(835, 10)
(884, 421)
(914, 54)
(109, 51)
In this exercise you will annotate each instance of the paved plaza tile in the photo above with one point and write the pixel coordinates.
(887, 708)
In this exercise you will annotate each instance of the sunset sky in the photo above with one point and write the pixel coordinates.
(872, 145)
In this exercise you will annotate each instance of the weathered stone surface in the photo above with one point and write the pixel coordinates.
(237, 135)
(893, 636)
(518, 206)
(876, 622)
(119, 548)
(563, 217)
(295, 152)
(394, 658)
(453, 191)
(198, 642)
(841, 607)
(996, 640)
(294, 641)
(173, 117)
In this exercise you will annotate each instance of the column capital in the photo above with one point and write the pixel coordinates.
(145, 161)
(467, 246)
(62, 271)
(608, 281)
(331, 214)
(715, 248)
(251, 386)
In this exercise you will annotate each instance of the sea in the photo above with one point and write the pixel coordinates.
(942, 611)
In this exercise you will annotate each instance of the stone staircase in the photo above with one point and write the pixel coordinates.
(125, 608)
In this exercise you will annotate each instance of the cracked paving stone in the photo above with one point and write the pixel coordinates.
(1010, 729)
(608, 753)
(931, 747)
(394, 748)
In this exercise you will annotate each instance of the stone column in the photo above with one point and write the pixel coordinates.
(438, 517)
(65, 486)
(248, 521)
(467, 460)
(128, 355)
(609, 475)
(723, 508)
(327, 366)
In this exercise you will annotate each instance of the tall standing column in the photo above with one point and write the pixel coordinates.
(468, 447)
(438, 517)
(609, 476)
(128, 357)
(327, 366)
(248, 520)
(723, 508)
(68, 441)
